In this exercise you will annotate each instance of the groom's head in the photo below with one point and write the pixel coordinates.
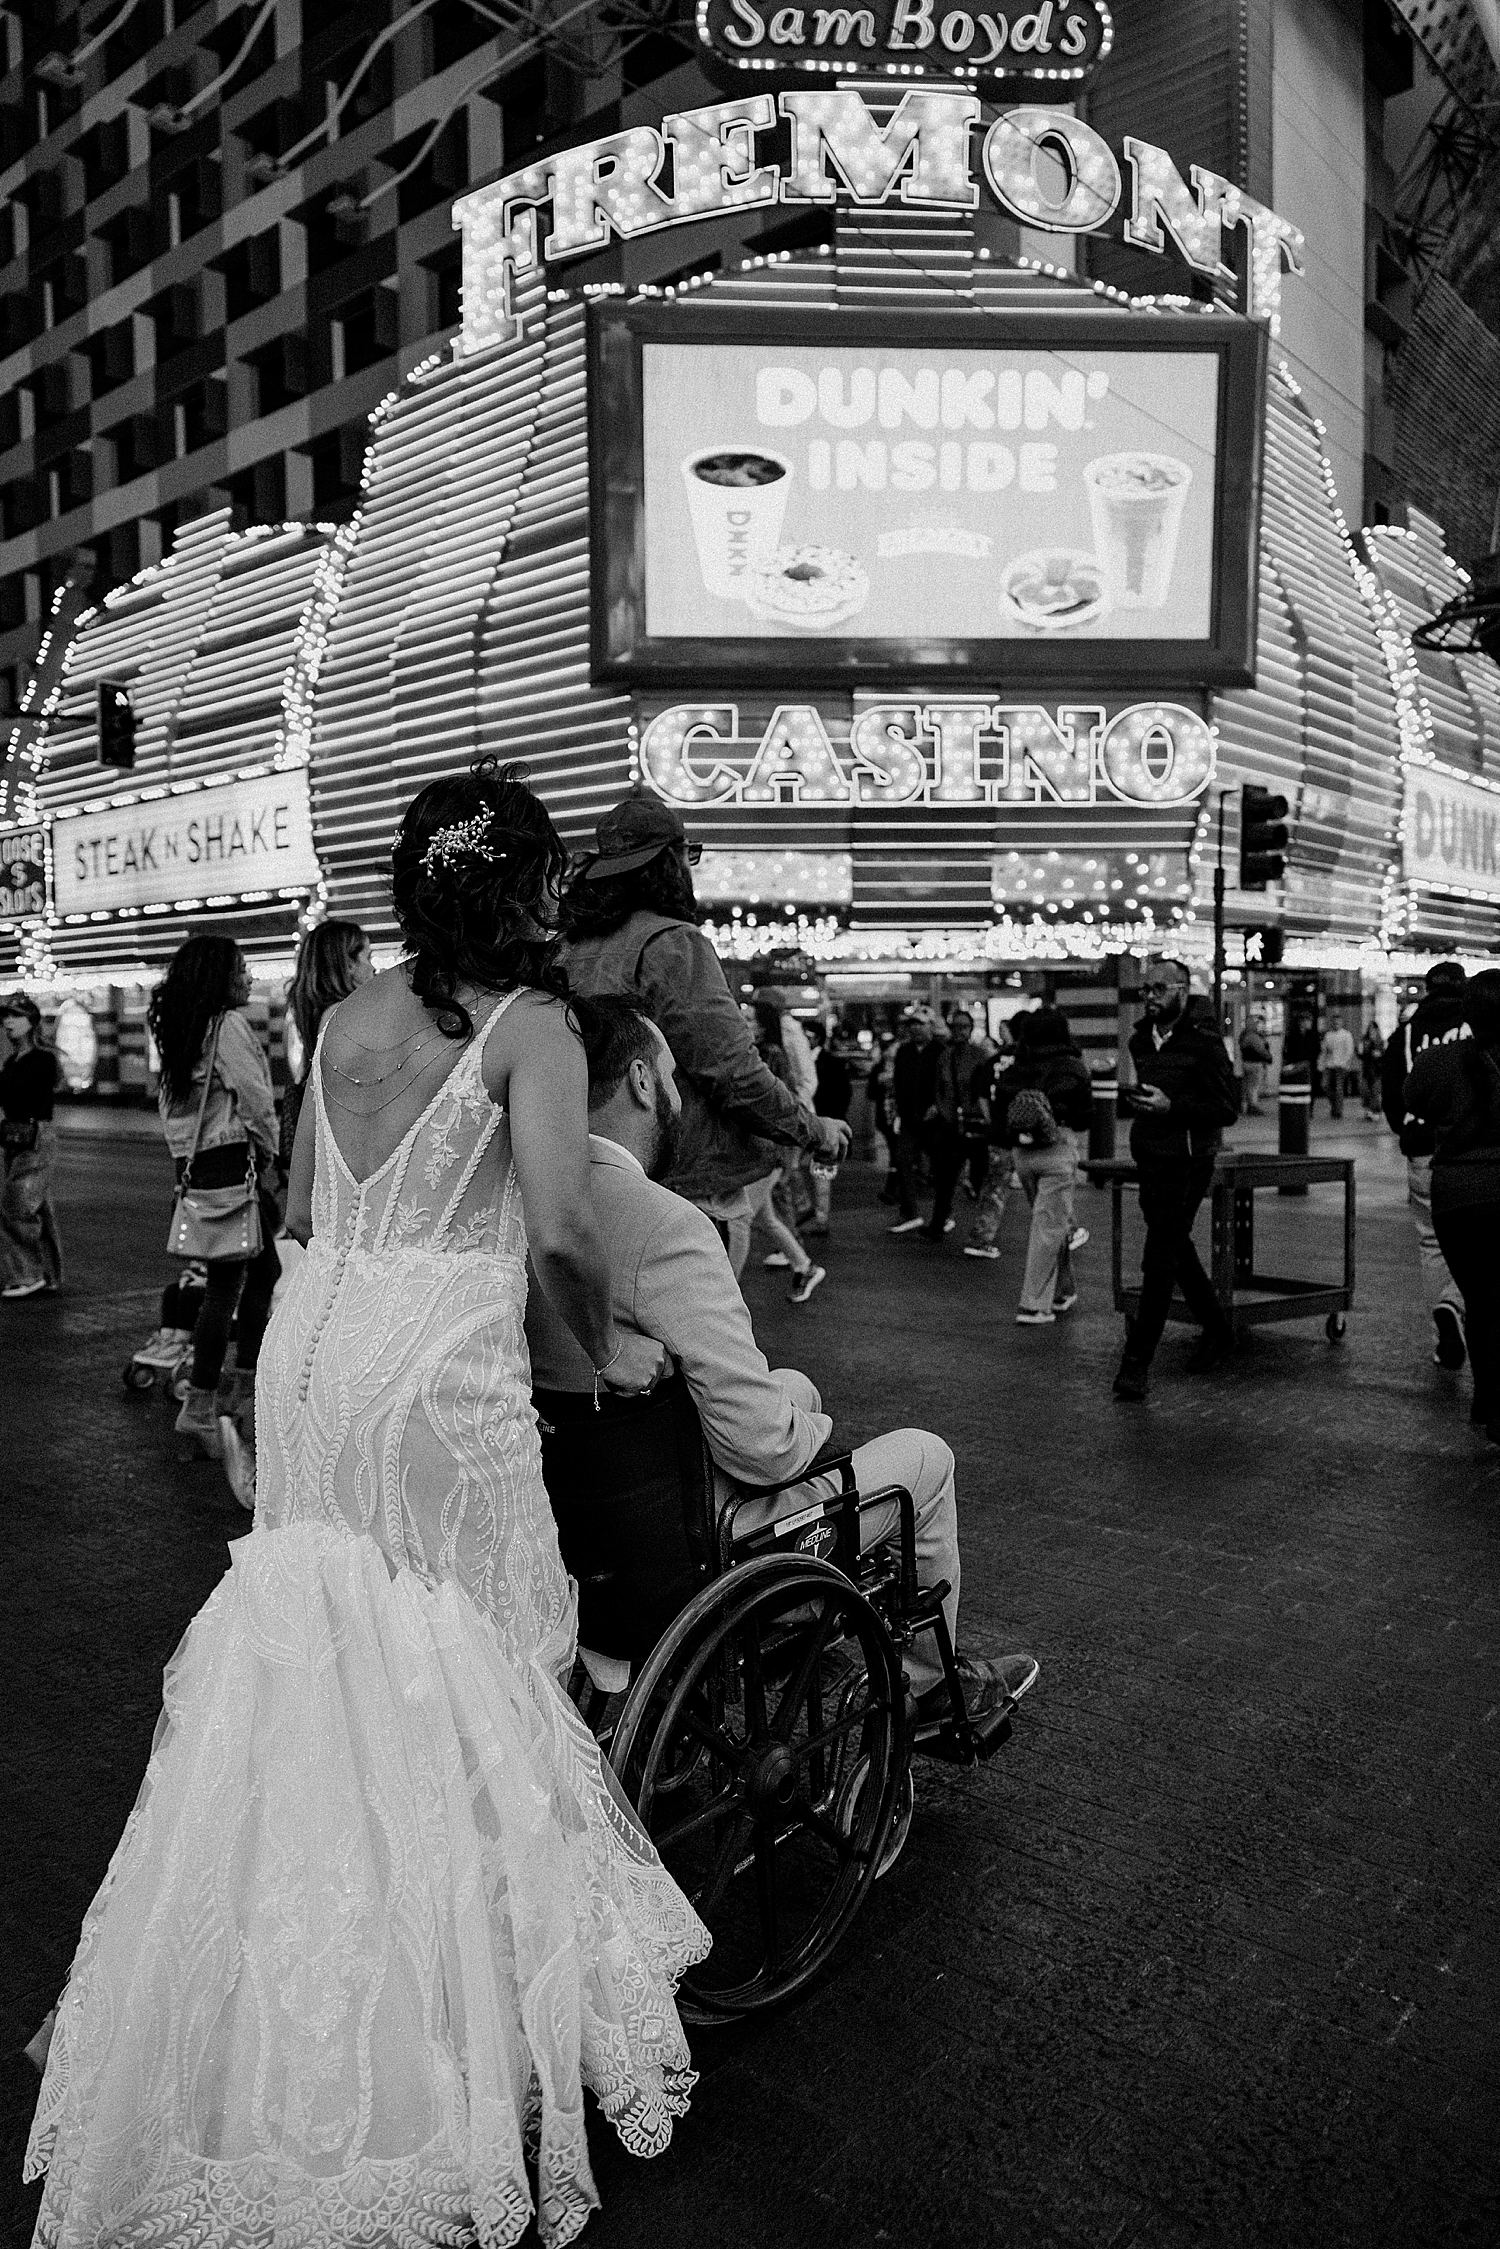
(633, 1097)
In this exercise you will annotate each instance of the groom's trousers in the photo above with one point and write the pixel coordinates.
(920, 1462)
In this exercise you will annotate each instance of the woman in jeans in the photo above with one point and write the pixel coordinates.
(333, 960)
(1046, 1157)
(30, 1249)
(769, 1204)
(1455, 1089)
(206, 985)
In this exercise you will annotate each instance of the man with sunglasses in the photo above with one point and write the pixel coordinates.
(629, 922)
(1185, 1096)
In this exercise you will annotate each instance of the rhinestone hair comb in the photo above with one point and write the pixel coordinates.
(461, 840)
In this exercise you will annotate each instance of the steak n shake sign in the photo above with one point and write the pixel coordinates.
(222, 842)
(868, 149)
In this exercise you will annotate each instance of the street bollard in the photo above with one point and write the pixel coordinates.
(1294, 1115)
(1103, 1122)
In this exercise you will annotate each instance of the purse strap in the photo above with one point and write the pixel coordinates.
(213, 1056)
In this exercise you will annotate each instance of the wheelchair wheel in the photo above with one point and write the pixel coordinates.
(737, 1745)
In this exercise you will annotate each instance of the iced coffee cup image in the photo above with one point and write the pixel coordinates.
(737, 497)
(1135, 505)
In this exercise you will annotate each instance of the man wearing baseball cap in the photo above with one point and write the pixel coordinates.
(630, 926)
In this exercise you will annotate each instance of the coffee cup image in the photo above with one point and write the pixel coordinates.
(737, 497)
(1135, 506)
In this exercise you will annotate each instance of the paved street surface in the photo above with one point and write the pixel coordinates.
(1208, 1955)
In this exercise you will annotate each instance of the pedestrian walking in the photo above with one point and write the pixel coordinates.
(833, 1094)
(1371, 1057)
(992, 1094)
(333, 960)
(1335, 1061)
(1184, 1099)
(629, 923)
(770, 1203)
(951, 1117)
(1255, 1058)
(880, 1093)
(913, 1076)
(1049, 1105)
(30, 1244)
(795, 1190)
(1437, 1020)
(1454, 1087)
(217, 1108)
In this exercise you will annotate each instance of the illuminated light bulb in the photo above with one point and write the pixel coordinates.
(924, 144)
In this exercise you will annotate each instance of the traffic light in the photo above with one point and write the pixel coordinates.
(116, 726)
(1263, 948)
(1263, 836)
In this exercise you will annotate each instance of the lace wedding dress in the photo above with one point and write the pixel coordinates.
(377, 1917)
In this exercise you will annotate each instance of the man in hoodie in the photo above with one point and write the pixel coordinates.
(629, 924)
(1185, 1097)
(1438, 1019)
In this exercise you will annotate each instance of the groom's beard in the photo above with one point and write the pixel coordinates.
(668, 1138)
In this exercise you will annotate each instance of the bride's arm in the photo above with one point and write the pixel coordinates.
(546, 1094)
(299, 1183)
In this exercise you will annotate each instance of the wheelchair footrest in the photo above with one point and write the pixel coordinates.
(951, 1744)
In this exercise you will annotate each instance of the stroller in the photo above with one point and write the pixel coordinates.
(166, 1358)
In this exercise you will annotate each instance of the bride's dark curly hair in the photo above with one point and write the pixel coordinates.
(473, 905)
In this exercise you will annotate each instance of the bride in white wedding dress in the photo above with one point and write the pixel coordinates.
(377, 1917)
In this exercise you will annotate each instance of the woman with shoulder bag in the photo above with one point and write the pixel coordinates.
(219, 1117)
(1050, 1106)
(30, 1248)
(1455, 1089)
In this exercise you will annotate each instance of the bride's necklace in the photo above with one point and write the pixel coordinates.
(383, 1077)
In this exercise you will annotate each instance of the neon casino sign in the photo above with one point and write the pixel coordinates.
(916, 151)
(951, 751)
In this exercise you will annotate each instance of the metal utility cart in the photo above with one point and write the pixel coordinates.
(1248, 1298)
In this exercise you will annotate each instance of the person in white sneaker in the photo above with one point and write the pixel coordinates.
(671, 1281)
(1049, 1103)
(30, 1245)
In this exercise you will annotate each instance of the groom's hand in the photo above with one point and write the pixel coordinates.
(641, 1364)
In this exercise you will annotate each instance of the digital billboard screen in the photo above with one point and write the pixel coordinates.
(1059, 495)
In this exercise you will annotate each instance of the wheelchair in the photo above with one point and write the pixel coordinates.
(766, 1735)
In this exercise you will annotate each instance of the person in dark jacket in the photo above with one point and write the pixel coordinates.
(629, 924)
(913, 1079)
(1046, 1143)
(950, 1113)
(1437, 1021)
(1454, 1088)
(1185, 1097)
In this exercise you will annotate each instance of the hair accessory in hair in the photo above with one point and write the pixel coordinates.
(461, 840)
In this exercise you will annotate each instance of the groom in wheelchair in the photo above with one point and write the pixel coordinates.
(621, 1473)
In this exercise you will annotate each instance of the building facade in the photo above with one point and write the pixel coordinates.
(445, 599)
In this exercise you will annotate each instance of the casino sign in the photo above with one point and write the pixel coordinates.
(1060, 40)
(954, 751)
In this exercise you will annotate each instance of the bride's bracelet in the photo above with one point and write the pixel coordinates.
(600, 1371)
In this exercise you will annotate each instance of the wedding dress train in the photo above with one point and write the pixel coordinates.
(377, 1917)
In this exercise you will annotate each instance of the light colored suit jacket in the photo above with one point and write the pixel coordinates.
(673, 1281)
